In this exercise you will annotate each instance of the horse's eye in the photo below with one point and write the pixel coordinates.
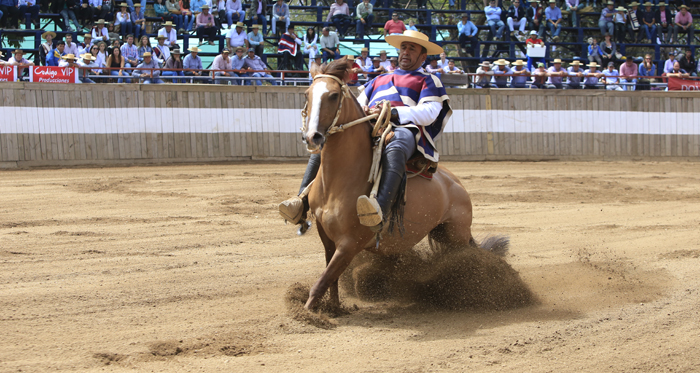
(333, 96)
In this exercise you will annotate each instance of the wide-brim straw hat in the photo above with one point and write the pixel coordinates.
(593, 64)
(621, 9)
(101, 22)
(169, 23)
(556, 60)
(634, 3)
(382, 52)
(44, 35)
(175, 51)
(610, 2)
(194, 49)
(240, 24)
(161, 37)
(518, 63)
(70, 56)
(88, 56)
(575, 63)
(683, 6)
(376, 59)
(205, 6)
(485, 64)
(123, 5)
(414, 37)
(648, 4)
(662, 4)
(255, 26)
(147, 54)
(500, 63)
(87, 36)
(364, 50)
(18, 51)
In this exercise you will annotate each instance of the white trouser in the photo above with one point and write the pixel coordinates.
(521, 23)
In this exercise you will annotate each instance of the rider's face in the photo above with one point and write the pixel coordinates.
(411, 56)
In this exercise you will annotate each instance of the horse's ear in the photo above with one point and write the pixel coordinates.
(316, 69)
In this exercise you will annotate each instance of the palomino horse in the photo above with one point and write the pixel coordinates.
(440, 207)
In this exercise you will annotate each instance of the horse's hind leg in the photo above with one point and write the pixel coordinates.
(456, 231)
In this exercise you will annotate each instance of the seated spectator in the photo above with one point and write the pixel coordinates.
(30, 6)
(432, 67)
(573, 7)
(221, 63)
(668, 65)
(364, 61)
(575, 74)
(55, 55)
(353, 70)
(193, 64)
(411, 25)
(442, 61)
(493, 19)
(130, 52)
(159, 6)
(206, 27)
(71, 47)
(648, 18)
(85, 13)
(145, 47)
(606, 21)
(256, 40)
(520, 75)
(329, 45)
(517, 17)
(100, 32)
(365, 16)
(10, 14)
(257, 67)
(145, 73)
(161, 52)
(383, 60)
(664, 26)
(592, 76)
(634, 26)
(237, 63)
(539, 77)
(84, 47)
(280, 13)
(47, 46)
(310, 43)
(394, 26)
(88, 62)
(237, 37)
(594, 51)
(94, 52)
(234, 12)
(394, 64)
(535, 17)
(101, 55)
(609, 49)
(376, 68)
(533, 40)
(116, 62)
(688, 63)
(646, 69)
(610, 78)
(499, 71)
(553, 15)
(173, 7)
(289, 47)
(139, 20)
(677, 71)
(19, 61)
(468, 33)
(629, 72)
(187, 15)
(483, 75)
(68, 60)
(169, 33)
(683, 23)
(257, 14)
(67, 9)
(556, 75)
(339, 15)
(620, 23)
(101, 9)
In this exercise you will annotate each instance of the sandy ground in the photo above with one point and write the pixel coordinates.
(184, 268)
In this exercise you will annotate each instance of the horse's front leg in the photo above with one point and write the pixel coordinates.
(339, 262)
(329, 247)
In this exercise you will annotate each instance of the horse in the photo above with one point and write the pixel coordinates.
(439, 208)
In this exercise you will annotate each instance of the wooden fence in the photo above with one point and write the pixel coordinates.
(64, 125)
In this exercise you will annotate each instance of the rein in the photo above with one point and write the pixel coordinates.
(383, 117)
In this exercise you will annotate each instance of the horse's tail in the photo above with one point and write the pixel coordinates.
(495, 244)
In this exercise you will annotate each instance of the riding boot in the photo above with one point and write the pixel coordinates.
(375, 212)
(294, 209)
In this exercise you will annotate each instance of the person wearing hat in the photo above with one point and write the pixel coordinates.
(256, 40)
(610, 78)
(531, 41)
(592, 76)
(56, 54)
(257, 68)
(375, 68)
(170, 34)
(365, 17)
(237, 37)
(575, 74)
(219, 67)
(384, 60)
(161, 51)
(138, 18)
(123, 20)
(47, 46)
(257, 14)
(100, 32)
(394, 26)
(483, 76)
(634, 26)
(193, 64)
(237, 63)
(280, 13)
(145, 70)
(206, 27)
(520, 75)
(648, 18)
(500, 72)
(364, 61)
(554, 18)
(493, 19)
(664, 24)
(394, 64)
(620, 23)
(89, 66)
(534, 15)
(683, 23)
(607, 21)
(329, 43)
(339, 16)
(84, 47)
(468, 33)
(234, 12)
(19, 61)
(68, 60)
(629, 72)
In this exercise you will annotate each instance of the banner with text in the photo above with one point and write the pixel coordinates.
(8, 73)
(679, 84)
(53, 74)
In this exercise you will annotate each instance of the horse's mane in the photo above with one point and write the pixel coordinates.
(337, 68)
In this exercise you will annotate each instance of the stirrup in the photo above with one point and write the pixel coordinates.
(369, 212)
(292, 209)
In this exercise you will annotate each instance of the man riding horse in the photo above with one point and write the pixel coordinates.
(420, 110)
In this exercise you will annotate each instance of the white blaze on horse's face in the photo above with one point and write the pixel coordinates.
(314, 138)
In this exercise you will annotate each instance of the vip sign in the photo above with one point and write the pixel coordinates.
(8, 73)
(53, 74)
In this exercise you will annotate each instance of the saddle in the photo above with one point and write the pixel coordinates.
(417, 165)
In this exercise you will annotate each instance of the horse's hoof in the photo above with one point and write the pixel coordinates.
(368, 211)
(303, 227)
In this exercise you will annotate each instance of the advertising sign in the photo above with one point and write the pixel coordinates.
(8, 73)
(680, 84)
(53, 74)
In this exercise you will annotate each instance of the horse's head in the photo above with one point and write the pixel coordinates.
(324, 102)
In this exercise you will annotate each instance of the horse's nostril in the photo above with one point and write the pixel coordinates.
(317, 138)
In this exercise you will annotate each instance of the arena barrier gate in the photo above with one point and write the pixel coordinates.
(122, 124)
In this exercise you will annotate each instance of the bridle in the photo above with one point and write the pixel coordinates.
(335, 127)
